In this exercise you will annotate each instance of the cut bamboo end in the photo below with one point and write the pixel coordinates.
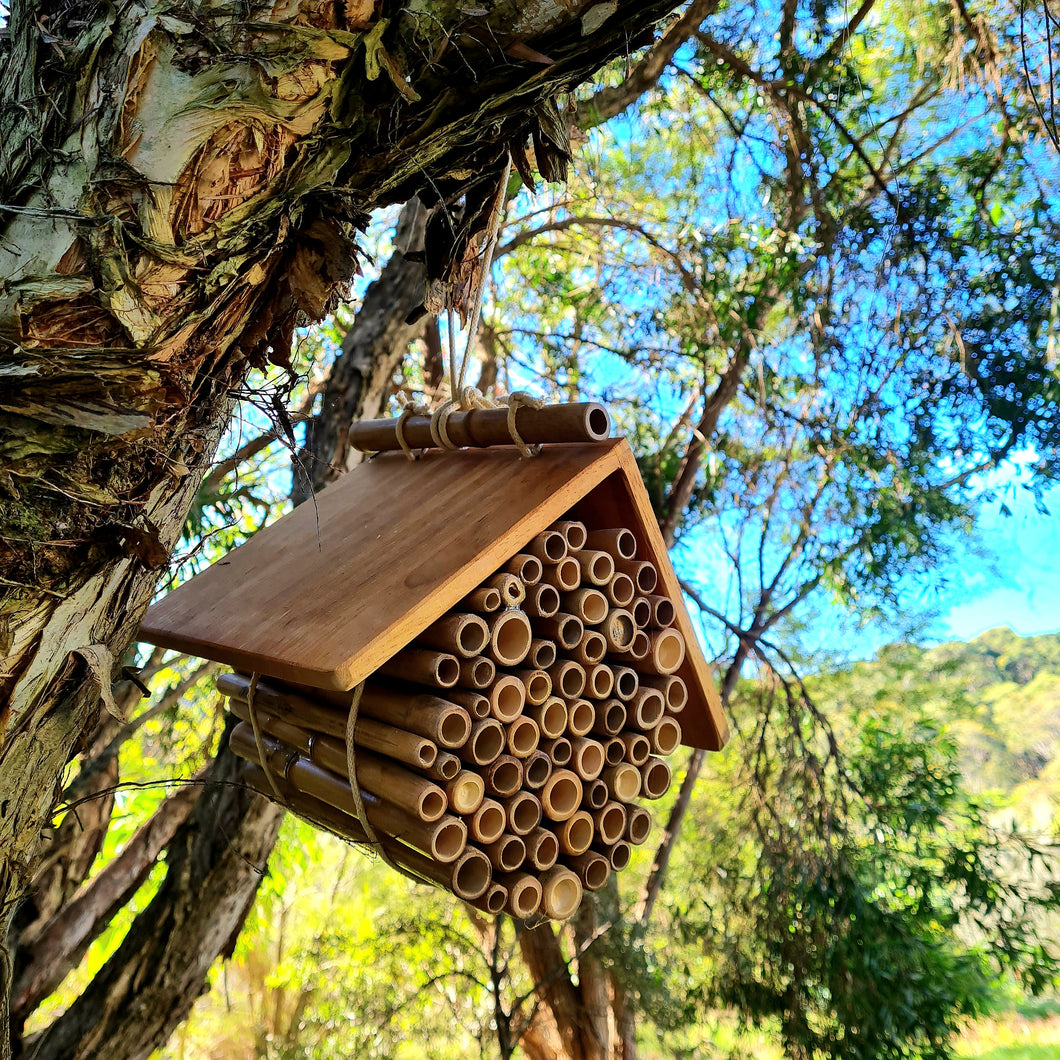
(559, 750)
(638, 748)
(477, 673)
(610, 821)
(525, 567)
(565, 576)
(619, 629)
(437, 719)
(662, 611)
(524, 894)
(562, 794)
(655, 777)
(587, 758)
(522, 811)
(665, 737)
(549, 547)
(538, 770)
(638, 651)
(591, 648)
(507, 853)
(667, 650)
(561, 893)
(542, 653)
(487, 823)
(638, 825)
(504, 776)
(620, 590)
(511, 588)
(590, 605)
(619, 542)
(445, 767)
(596, 795)
(461, 633)
(471, 875)
(599, 682)
(576, 833)
(542, 601)
(581, 715)
(542, 849)
(627, 683)
(618, 854)
(484, 600)
(523, 737)
(476, 704)
(614, 751)
(647, 708)
(568, 678)
(551, 717)
(623, 781)
(565, 630)
(610, 718)
(537, 683)
(510, 637)
(507, 698)
(640, 609)
(593, 869)
(485, 744)
(423, 667)
(672, 687)
(465, 792)
(597, 567)
(493, 901)
(645, 576)
(573, 531)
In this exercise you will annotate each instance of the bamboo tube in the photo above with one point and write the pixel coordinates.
(475, 703)
(591, 648)
(593, 869)
(284, 704)
(485, 743)
(438, 719)
(564, 576)
(562, 794)
(568, 678)
(655, 778)
(574, 532)
(638, 825)
(522, 812)
(486, 824)
(507, 853)
(673, 689)
(503, 776)
(465, 791)
(645, 576)
(590, 605)
(666, 653)
(596, 795)
(561, 893)
(549, 547)
(610, 821)
(551, 717)
(662, 611)
(623, 781)
(423, 667)
(444, 839)
(636, 655)
(646, 709)
(542, 849)
(638, 749)
(542, 601)
(610, 718)
(565, 630)
(640, 609)
(665, 738)
(510, 637)
(485, 599)
(459, 633)
(511, 588)
(587, 758)
(542, 653)
(599, 682)
(412, 750)
(477, 673)
(619, 629)
(618, 854)
(525, 567)
(538, 770)
(580, 717)
(445, 767)
(523, 736)
(627, 683)
(597, 567)
(620, 590)
(614, 751)
(537, 683)
(576, 833)
(507, 698)
(524, 894)
(620, 543)
(559, 750)
(493, 901)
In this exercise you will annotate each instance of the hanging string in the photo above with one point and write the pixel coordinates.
(259, 743)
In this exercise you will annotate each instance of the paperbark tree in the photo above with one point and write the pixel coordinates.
(180, 185)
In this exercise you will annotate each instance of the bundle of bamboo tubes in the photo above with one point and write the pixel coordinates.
(503, 753)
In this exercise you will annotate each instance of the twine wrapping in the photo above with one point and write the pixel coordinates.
(263, 756)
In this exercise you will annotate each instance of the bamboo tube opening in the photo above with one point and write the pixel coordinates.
(542, 848)
(573, 531)
(562, 794)
(472, 636)
(597, 567)
(662, 611)
(638, 826)
(476, 704)
(643, 573)
(505, 776)
(610, 718)
(619, 855)
(558, 750)
(568, 679)
(576, 833)
(626, 682)
(509, 586)
(614, 751)
(485, 743)
(623, 780)
(551, 717)
(666, 737)
(599, 682)
(590, 605)
(510, 638)
(507, 698)
(561, 893)
(477, 673)
(676, 694)
(542, 601)
(567, 630)
(495, 899)
(638, 749)
(524, 895)
(594, 869)
(507, 853)
(611, 822)
(523, 812)
(523, 737)
(423, 667)
(465, 792)
(549, 547)
(580, 717)
(648, 708)
(485, 598)
(471, 875)
(446, 766)
(596, 795)
(620, 629)
(538, 770)
(621, 590)
(538, 686)
(655, 776)
(591, 648)
(587, 759)
(640, 609)
(487, 823)
(565, 575)
(641, 646)
(667, 650)
(619, 542)
(542, 653)
(526, 568)
(460, 632)
(449, 840)
(448, 671)
(455, 728)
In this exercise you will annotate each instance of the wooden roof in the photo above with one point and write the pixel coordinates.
(328, 593)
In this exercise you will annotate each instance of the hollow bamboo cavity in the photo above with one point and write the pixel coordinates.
(522, 811)
(638, 749)
(507, 698)
(542, 601)
(626, 682)
(623, 781)
(620, 590)
(599, 681)
(507, 853)
(645, 576)
(484, 599)
(524, 894)
(538, 770)
(537, 683)
(619, 629)
(549, 547)
(561, 893)
(565, 575)
(423, 667)
(460, 633)
(618, 854)
(477, 673)
(573, 531)
(503, 776)
(587, 757)
(610, 718)
(511, 588)
(486, 824)
(568, 678)
(523, 737)
(542, 848)
(542, 653)
(638, 825)
(596, 795)
(619, 542)
(593, 869)
(464, 792)
(446, 766)
(640, 609)
(575, 834)
(662, 610)
(493, 901)
(525, 567)
(590, 605)
(646, 708)
(655, 778)
(591, 648)
(667, 651)
(562, 794)
(673, 689)
(551, 717)
(597, 567)
(580, 717)
(485, 743)
(565, 630)
(476, 704)
(610, 821)
(665, 737)
(637, 652)
(614, 751)
(439, 720)
(558, 750)
(510, 637)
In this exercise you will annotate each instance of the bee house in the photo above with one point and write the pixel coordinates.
(476, 663)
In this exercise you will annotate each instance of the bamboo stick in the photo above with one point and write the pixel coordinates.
(627, 683)
(538, 770)
(524, 894)
(662, 611)
(573, 531)
(551, 717)
(559, 750)
(486, 824)
(638, 825)
(565, 630)
(522, 811)
(564, 576)
(542, 848)
(655, 777)
(568, 678)
(597, 567)
(465, 791)
(459, 633)
(507, 698)
(618, 854)
(610, 718)
(562, 794)
(477, 673)
(507, 853)
(503, 776)
(576, 833)
(591, 648)
(493, 901)
(619, 542)
(475, 703)
(587, 758)
(596, 795)
(423, 667)
(590, 605)
(542, 601)
(561, 893)
(610, 821)
(619, 629)
(485, 743)
(665, 738)
(510, 637)
(614, 751)
(581, 715)
(646, 709)
(549, 547)
(638, 749)
(645, 576)
(640, 609)
(623, 781)
(667, 651)
(523, 736)
(620, 590)
(525, 567)
(537, 683)
(289, 705)
(445, 767)
(599, 682)
(542, 653)
(593, 869)
(672, 687)
(485, 599)
(511, 588)
(426, 715)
